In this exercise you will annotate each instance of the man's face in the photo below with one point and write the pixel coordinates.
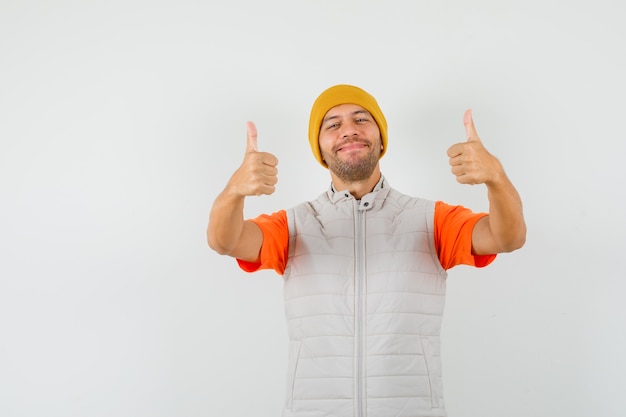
(350, 142)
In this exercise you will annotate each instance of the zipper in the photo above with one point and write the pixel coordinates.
(360, 310)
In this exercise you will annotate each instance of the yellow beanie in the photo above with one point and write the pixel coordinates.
(343, 94)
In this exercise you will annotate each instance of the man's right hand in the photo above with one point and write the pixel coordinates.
(227, 232)
(257, 174)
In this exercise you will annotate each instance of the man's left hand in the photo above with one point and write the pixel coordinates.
(471, 162)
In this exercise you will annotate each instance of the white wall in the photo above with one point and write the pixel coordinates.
(121, 121)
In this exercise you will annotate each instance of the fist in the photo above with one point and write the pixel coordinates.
(257, 174)
(471, 163)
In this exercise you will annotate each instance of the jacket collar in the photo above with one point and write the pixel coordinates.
(368, 201)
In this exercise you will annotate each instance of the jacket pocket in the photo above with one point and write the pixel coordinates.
(294, 356)
(433, 372)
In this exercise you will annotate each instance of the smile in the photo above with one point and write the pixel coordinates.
(352, 146)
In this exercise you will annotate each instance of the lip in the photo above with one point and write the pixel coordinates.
(352, 146)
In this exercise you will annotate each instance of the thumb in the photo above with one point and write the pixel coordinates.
(470, 130)
(251, 144)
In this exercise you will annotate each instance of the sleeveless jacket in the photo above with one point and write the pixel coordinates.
(364, 298)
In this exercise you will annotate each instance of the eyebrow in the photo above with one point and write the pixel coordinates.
(326, 119)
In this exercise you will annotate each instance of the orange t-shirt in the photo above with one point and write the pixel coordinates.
(453, 239)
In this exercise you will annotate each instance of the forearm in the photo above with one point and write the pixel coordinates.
(506, 217)
(226, 222)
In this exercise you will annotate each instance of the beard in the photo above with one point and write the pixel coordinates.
(353, 168)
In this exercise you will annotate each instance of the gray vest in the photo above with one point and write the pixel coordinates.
(364, 298)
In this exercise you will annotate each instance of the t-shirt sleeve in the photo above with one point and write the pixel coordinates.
(275, 247)
(453, 236)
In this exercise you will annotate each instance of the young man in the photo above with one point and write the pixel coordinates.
(364, 266)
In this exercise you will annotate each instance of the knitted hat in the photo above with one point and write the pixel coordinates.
(343, 94)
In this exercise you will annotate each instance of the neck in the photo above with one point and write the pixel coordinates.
(357, 188)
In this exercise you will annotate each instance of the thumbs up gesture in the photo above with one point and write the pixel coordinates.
(471, 162)
(257, 174)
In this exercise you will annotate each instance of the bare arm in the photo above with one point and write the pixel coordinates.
(228, 233)
(504, 230)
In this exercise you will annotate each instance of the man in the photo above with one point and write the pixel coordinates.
(364, 266)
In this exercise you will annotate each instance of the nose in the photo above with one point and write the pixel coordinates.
(348, 129)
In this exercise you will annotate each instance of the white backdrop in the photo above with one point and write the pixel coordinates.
(121, 121)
